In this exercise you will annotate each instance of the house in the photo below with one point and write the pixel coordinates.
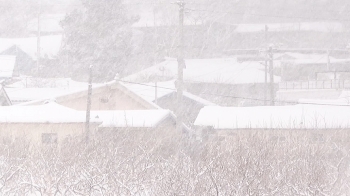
(117, 107)
(164, 95)
(113, 108)
(316, 123)
(107, 96)
(213, 78)
(49, 123)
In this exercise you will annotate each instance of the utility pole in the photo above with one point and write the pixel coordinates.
(156, 93)
(38, 41)
(265, 86)
(272, 90)
(88, 107)
(155, 33)
(181, 66)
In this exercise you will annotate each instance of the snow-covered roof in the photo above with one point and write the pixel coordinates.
(198, 99)
(49, 45)
(74, 92)
(221, 71)
(30, 82)
(147, 91)
(47, 113)
(29, 89)
(303, 26)
(131, 118)
(7, 65)
(20, 95)
(275, 117)
(295, 55)
(339, 101)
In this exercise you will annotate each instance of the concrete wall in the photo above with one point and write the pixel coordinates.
(33, 131)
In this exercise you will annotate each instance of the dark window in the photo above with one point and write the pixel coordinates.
(104, 100)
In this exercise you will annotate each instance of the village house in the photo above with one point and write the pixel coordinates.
(49, 123)
(107, 96)
(113, 108)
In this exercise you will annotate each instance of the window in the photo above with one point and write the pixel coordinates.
(49, 138)
(104, 99)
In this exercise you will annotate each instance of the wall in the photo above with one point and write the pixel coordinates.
(105, 99)
(33, 131)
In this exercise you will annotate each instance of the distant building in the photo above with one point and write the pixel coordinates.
(221, 81)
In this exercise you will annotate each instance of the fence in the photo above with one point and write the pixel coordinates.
(316, 84)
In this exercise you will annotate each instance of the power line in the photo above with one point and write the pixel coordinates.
(236, 97)
(271, 16)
